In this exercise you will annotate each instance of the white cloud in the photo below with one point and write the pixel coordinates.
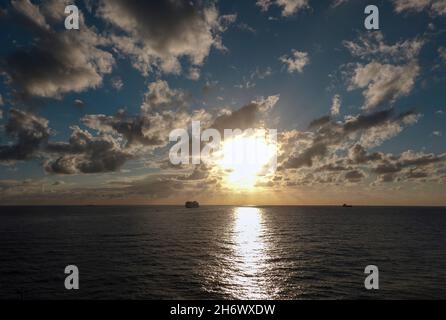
(295, 62)
(439, 7)
(117, 83)
(161, 96)
(194, 74)
(79, 103)
(436, 7)
(384, 82)
(372, 45)
(289, 7)
(336, 105)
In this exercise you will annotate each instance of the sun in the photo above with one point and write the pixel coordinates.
(246, 159)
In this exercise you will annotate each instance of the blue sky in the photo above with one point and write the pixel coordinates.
(248, 67)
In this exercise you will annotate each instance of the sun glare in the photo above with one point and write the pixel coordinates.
(246, 159)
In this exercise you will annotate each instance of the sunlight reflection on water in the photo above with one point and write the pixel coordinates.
(250, 254)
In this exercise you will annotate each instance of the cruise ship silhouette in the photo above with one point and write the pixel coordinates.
(192, 204)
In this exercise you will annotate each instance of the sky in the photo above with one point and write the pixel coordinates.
(85, 115)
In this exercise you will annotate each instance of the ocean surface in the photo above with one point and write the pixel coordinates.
(222, 252)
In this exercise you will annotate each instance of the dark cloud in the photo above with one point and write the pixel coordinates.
(359, 155)
(132, 128)
(363, 122)
(57, 62)
(28, 131)
(163, 110)
(334, 167)
(354, 176)
(402, 163)
(387, 177)
(417, 174)
(317, 123)
(333, 134)
(244, 118)
(119, 138)
(85, 153)
(249, 116)
(306, 158)
(407, 165)
(159, 33)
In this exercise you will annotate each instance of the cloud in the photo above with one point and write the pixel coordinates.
(289, 7)
(30, 13)
(54, 10)
(307, 156)
(369, 129)
(261, 74)
(337, 152)
(359, 155)
(439, 7)
(153, 187)
(245, 27)
(391, 70)
(194, 74)
(383, 83)
(336, 105)
(57, 62)
(85, 153)
(337, 3)
(354, 176)
(28, 131)
(159, 33)
(121, 137)
(387, 129)
(319, 122)
(295, 62)
(163, 110)
(150, 130)
(435, 7)
(161, 96)
(199, 173)
(371, 45)
(410, 164)
(249, 116)
(246, 84)
(79, 103)
(117, 83)
(367, 121)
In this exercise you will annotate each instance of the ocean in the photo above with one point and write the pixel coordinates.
(222, 252)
